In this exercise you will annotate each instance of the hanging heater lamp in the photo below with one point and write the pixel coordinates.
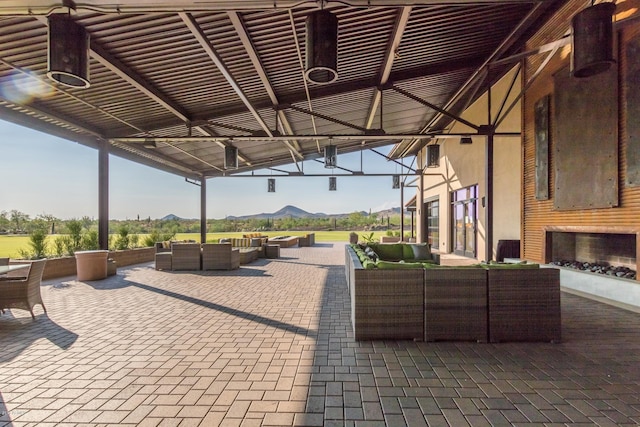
(230, 157)
(321, 47)
(592, 31)
(333, 184)
(330, 156)
(68, 52)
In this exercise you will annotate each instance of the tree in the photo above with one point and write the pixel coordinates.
(18, 218)
(4, 220)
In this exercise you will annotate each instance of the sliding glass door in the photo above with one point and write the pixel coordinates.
(464, 208)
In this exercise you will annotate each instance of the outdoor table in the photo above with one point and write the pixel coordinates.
(4, 269)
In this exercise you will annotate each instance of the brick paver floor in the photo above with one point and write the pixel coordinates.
(270, 344)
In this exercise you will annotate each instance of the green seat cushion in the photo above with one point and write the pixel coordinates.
(505, 266)
(407, 252)
(390, 265)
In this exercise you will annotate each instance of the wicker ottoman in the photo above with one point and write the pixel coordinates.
(272, 251)
(163, 261)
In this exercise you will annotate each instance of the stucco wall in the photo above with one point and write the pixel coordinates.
(464, 165)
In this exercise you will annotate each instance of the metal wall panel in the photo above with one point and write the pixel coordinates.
(586, 140)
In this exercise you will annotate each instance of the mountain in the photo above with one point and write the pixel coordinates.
(170, 217)
(286, 212)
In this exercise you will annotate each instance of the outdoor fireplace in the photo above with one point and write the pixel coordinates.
(593, 246)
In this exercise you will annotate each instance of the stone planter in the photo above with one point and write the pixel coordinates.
(66, 266)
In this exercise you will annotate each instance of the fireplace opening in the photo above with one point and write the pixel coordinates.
(613, 254)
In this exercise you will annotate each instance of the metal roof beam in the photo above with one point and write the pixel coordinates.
(325, 117)
(201, 37)
(241, 29)
(330, 90)
(385, 71)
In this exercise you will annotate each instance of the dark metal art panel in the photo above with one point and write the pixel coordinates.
(632, 83)
(586, 141)
(542, 147)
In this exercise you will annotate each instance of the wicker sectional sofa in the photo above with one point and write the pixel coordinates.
(491, 303)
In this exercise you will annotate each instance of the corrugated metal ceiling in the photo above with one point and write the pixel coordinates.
(152, 77)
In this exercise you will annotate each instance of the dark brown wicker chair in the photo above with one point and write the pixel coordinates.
(24, 294)
(185, 256)
(455, 304)
(524, 304)
(220, 256)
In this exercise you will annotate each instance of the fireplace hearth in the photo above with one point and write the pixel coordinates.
(610, 251)
(614, 271)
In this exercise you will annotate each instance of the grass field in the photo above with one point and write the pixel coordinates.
(10, 245)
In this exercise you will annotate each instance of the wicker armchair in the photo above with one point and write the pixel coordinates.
(24, 293)
(185, 256)
(455, 304)
(220, 256)
(524, 304)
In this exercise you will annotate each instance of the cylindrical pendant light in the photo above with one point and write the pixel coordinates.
(68, 52)
(230, 157)
(333, 183)
(330, 156)
(321, 47)
(592, 31)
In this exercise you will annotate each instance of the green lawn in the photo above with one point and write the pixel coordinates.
(10, 245)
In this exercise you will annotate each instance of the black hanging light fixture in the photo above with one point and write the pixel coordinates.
(330, 156)
(433, 156)
(321, 47)
(396, 182)
(592, 32)
(333, 183)
(68, 52)
(271, 185)
(466, 140)
(230, 157)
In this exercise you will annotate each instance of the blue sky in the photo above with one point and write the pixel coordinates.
(42, 174)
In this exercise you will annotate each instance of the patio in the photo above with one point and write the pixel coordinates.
(262, 346)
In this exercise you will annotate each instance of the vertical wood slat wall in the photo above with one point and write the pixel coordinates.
(538, 214)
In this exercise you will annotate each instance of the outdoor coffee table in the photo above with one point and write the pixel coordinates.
(284, 241)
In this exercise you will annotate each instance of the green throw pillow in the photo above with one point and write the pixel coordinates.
(420, 250)
(387, 251)
(407, 252)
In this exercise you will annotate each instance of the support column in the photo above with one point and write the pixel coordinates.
(103, 195)
(402, 211)
(203, 209)
(489, 198)
(422, 235)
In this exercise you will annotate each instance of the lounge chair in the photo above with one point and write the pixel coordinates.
(24, 293)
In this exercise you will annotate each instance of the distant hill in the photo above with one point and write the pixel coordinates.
(290, 211)
(286, 212)
(170, 217)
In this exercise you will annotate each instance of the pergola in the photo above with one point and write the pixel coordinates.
(177, 84)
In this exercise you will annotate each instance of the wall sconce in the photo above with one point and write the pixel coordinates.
(333, 184)
(321, 47)
(271, 185)
(592, 32)
(68, 59)
(330, 156)
(466, 140)
(230, 157)
(396, 182)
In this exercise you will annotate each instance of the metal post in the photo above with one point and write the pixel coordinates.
(103, 195)
(489, 181)
(203, 210)
(402, 211)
